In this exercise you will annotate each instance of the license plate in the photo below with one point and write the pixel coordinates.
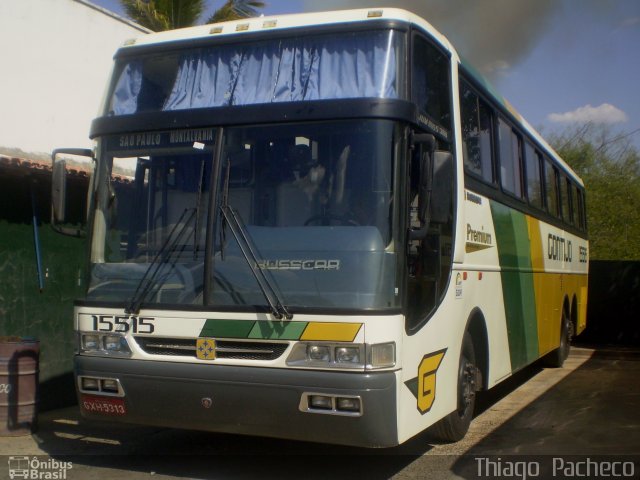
(104, 405)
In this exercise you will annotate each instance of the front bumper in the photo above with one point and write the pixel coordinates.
(249, 400)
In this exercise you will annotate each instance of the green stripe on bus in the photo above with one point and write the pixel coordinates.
(278, 330)
(253, 329)
(227, 328)
(514, 252)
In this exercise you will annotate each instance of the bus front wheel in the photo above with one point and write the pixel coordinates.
(454, 426)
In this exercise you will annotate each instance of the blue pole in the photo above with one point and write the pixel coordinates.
(36, 238)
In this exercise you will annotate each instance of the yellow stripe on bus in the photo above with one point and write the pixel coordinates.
(550, 290)
(331, 332)
(548, 293)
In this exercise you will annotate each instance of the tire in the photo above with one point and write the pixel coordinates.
(454, 426)
(556, 358)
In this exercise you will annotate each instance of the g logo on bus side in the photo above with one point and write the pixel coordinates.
(427, 380)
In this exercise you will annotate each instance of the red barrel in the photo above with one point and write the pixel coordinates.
(19, 366)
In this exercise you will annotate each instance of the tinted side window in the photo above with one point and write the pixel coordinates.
(582, 219)
(551, 189)
(565, 208)
(575, 214)
(430, 82)
(534, 181)
(476, 134)
(510, 170)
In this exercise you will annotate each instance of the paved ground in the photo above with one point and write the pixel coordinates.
(587, 410)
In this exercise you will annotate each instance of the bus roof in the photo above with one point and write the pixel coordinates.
(291, 21)
(288, 21)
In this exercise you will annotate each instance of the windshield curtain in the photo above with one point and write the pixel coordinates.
(314, 201)
(351, 65)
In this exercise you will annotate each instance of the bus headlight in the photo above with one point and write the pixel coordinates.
(114, 343)
(348, 355)
(318, 353)
(90, 343)
(326, 355)
(101, 344)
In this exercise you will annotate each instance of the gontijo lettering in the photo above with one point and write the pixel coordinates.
(559, 249)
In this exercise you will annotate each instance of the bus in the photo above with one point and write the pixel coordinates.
(322, 227)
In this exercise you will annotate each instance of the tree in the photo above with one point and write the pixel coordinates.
(609, 165)
(159, 15)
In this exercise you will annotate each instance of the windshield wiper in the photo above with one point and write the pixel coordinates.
(196, 230)
(240, 233)
(160, 260)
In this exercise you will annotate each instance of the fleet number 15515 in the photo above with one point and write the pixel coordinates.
(123, 324)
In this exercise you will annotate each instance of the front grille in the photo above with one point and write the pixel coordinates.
(186, 347)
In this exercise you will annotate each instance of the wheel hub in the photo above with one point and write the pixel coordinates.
(469, 375)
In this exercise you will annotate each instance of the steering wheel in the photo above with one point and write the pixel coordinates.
(327, 218)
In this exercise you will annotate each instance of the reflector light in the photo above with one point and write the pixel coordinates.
(109, 385)
(374, 13)
(348, 404)
(382, 355)
(320, 401)
(90, 384)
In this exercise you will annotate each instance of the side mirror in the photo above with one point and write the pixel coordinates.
(60, 189)
(426, 145)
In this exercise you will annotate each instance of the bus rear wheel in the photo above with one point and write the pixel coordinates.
(556, 358)
(454, 426)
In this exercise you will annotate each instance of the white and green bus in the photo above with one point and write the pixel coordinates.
(319, 227)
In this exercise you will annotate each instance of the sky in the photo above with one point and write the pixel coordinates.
(560, 63)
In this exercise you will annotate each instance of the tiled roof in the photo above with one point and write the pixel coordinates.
(24, 167)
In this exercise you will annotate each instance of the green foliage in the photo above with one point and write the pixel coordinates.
(610, 168)
(159, 15)
(235, 10)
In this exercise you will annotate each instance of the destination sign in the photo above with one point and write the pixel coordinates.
(173, 138)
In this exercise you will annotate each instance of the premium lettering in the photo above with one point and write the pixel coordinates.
(478, 236)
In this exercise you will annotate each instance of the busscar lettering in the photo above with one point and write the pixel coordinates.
(559, 249)
(299, 264)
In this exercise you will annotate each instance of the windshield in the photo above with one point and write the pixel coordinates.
(314, 202)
